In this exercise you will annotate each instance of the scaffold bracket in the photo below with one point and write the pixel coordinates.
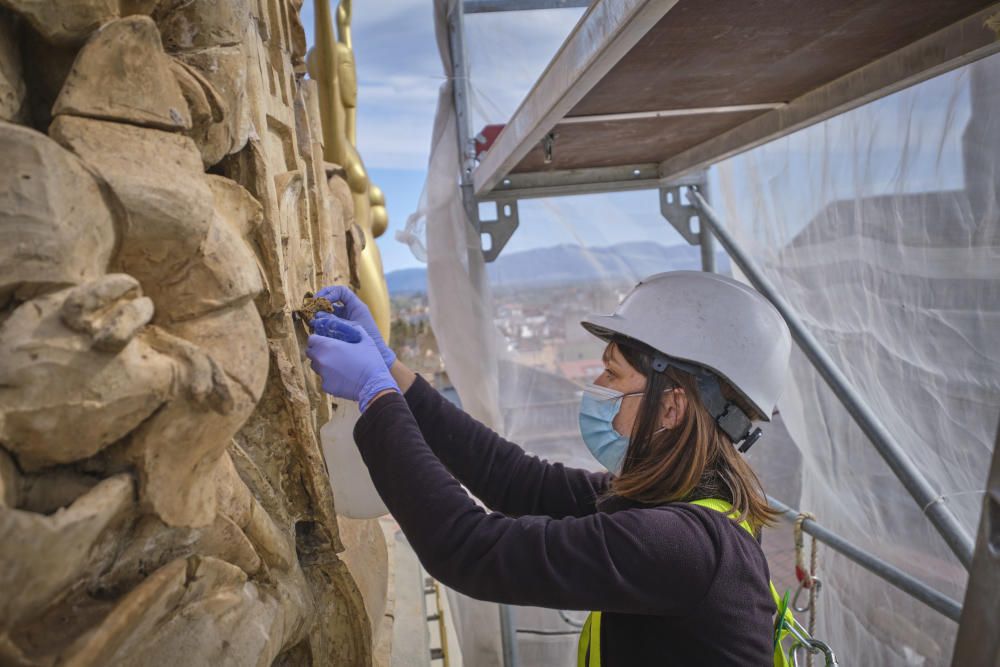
(679, 212)
(500, 229)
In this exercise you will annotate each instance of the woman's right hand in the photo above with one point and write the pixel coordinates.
(355, 310)
(348, 361)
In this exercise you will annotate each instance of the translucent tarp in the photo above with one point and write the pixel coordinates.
(879, 226)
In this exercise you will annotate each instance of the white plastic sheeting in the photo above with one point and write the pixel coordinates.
(881, 228)
(439, 235)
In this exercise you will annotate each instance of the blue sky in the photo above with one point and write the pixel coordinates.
(399, 72)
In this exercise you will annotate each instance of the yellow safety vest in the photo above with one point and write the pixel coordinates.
(589, 648)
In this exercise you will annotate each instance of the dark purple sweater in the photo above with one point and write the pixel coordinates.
(678, 584)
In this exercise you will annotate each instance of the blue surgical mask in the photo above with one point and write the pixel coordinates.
(598, 409)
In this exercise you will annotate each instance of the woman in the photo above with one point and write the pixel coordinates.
(692, 359)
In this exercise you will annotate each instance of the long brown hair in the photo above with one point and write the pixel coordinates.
(694, 460)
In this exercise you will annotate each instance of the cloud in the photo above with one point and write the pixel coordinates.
(402, 90)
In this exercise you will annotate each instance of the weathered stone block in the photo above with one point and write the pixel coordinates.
(153, 544)
(161, 621)
(168, 209)
(10, 481)
(225, 68)
(234, 337)
(175, 479)
(62, 398)
(208, 113)
(199, 24)
(65, 21)
(236, 205)
(13, 91)
(223, 271)
(55, 226)
(44, 554)
(122, 74)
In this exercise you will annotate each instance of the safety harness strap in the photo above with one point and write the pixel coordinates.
(588, 653)
(725, 508)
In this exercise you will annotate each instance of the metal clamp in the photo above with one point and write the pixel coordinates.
(813, 646)
(548, 141)
(804, 642)
(815, 581)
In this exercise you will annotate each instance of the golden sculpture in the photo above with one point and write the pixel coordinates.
(331, 64)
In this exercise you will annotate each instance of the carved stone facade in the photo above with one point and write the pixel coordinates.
(164, 207)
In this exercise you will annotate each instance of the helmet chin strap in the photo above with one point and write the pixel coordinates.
(727, 415)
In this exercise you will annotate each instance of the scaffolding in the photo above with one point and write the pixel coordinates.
(541, 152)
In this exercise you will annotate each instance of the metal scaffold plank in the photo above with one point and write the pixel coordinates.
(607, 32)
(484, 6)
(961, 43)
(575, 182)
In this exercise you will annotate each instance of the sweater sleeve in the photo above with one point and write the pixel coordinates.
(496, 471)
(646, 561)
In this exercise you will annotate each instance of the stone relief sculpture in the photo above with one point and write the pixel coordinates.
(164, 206)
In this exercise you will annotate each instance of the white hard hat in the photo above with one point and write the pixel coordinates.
(709, 321)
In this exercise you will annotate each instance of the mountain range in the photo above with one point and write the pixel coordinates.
(565, 264)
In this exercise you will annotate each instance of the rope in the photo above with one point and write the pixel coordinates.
(807, 578)
(943, 498)
(813, 591)
(801, 573)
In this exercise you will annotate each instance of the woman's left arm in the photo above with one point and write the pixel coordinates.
(656, 561)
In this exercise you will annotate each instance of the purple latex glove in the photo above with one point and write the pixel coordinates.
(355, 310)
(348, 361)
